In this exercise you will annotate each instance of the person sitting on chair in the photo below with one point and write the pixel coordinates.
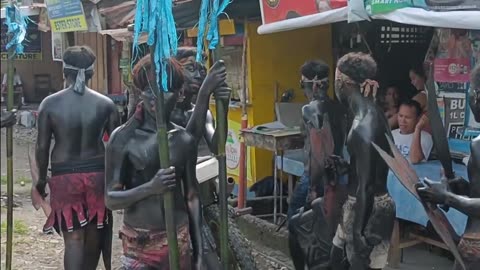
(410, 139)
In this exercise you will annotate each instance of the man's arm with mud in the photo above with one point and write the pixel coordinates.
(196, 125)
(362, 151)
(464, 204)
(44, 138)
(113, 119)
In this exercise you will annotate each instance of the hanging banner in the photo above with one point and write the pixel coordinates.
(473, 127)
(455, 70)
(453, 59)
(383, 6)
(447, 5)
(66, 15)
(57, 46)
(32, 44)
(279, 10)
(374, 7)
(454, 53)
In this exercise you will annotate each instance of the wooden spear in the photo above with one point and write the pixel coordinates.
(163, 149)
(222, 124)
(11, 54)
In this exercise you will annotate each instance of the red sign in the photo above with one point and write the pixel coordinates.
(452, 70)
(279, 10)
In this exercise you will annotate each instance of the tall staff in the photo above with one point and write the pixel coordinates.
(11, 54)
(221, 122)
(168, 201)
(210, 10)
(156, 18)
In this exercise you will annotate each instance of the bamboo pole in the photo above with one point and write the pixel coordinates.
(222, 125)
(163, 149)
(242, 185)
(9, 249)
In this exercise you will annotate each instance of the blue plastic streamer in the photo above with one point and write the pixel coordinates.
(209, 13)
(155, 17)
(17, 28)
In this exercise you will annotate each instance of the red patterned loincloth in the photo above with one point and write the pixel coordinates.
(469, 248)
(76, 200)
(144, 249)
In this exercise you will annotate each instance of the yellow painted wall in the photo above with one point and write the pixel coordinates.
(278, 58)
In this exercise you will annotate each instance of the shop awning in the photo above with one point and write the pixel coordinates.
(277, 21)
(25, 11)
(326, 17)
(124, 35)
(417, 16)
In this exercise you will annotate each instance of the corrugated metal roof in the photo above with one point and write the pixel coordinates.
(120, 13)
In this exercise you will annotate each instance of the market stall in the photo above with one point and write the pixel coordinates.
(400, 35)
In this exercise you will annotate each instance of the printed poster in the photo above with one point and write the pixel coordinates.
(32, 46)
(452, 109)
(57, 46)
(279, 10)
(454, 117)
(66, 15)
(473, 127)
(232, 151)
(452, 70)
(454, 53)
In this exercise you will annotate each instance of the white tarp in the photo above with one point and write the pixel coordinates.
(326, 17)
(415, 16)
(24, 10)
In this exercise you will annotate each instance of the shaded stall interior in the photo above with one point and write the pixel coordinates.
(395, 47)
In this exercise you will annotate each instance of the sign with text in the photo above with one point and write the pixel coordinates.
(446, 5)
(455, 112)
(384, 6)
(232, 151)
(66, 15)
(279, 10)
(57, 46)
(452, 70)
(32, 45)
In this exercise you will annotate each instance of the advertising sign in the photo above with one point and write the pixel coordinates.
(454, 117)
(279, 10)
(455, 52)
(232, 151)
(384, 6)
(32, 45)
(456, 70)
(57, 46)
(452, 52)
(444, 5)
(66, 15)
